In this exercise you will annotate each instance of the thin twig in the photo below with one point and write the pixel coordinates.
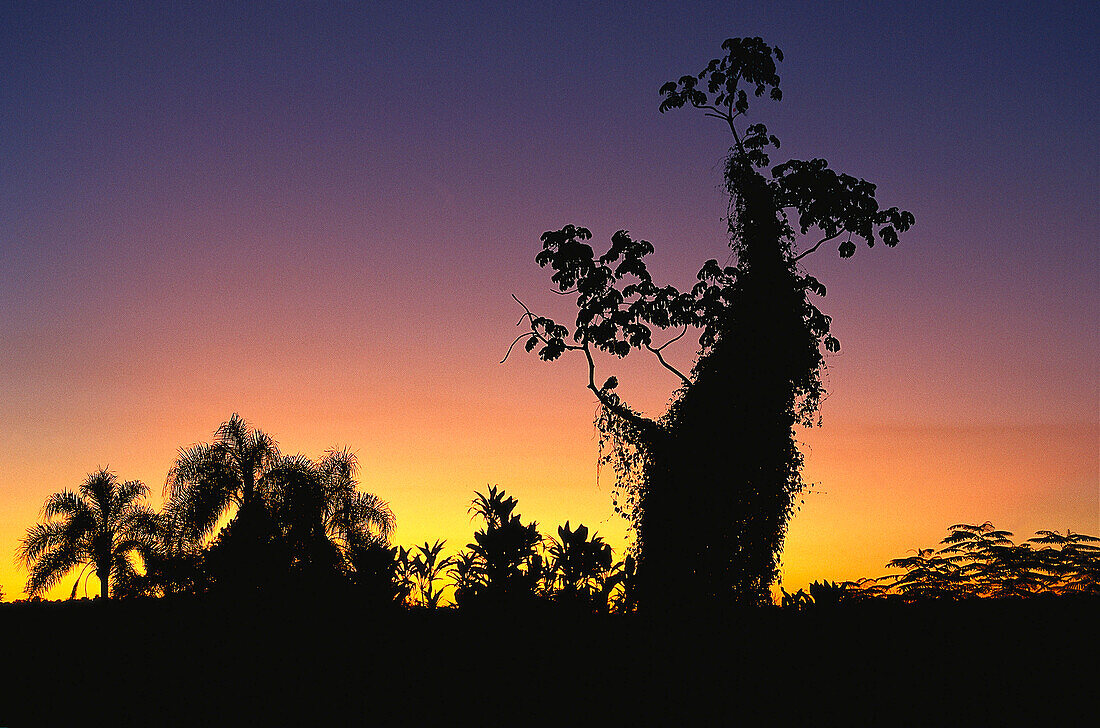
(509, 353)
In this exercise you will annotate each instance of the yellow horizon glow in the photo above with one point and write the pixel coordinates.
(876, 491)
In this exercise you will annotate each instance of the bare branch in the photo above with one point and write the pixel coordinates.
(668, 366)
(612, 404)
(674, 339)
(657, 352)
(521, 336)
(819, 243)
(526, 311)
(621, 410)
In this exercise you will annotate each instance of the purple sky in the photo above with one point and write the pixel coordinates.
(279, 209)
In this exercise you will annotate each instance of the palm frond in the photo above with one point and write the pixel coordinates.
(51, 567)
(39, 538)
(128, 493)
(65, 503)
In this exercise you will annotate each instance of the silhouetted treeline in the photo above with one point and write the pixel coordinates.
(288, 523)
(295, 525)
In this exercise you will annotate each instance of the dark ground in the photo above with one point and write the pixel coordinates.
(208, 663)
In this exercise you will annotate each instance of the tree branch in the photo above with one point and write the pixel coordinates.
(619, 409)
(819, 243)
(521, 336)
(665, 364)
(674, 339)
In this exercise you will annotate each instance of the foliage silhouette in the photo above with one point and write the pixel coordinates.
(502, 566)
(292, 518)
(427, 568)
(209, 480)
(1070, 561)
(97, 529)
(319, 512)
(822, 595)
(710, 486)
(375, 576)
(582, 569)
(981, 561)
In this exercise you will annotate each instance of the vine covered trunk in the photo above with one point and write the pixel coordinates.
(722, 476)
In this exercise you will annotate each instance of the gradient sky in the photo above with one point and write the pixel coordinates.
(314, 214)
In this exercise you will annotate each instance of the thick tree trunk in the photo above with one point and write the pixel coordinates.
(104, 582)
(720, 485)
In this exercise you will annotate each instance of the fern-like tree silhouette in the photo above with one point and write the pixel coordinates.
(1071, 561)
(974, 550)
(97, 529)
(928, 575)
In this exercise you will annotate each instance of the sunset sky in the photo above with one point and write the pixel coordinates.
(315, 214)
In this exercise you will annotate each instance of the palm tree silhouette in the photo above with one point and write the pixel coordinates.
(209, 479)
(319, 511)
(351, 517)
(96, 529)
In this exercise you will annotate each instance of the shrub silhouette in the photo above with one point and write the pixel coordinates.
(503, 566)
(428, 567)
(581, 567)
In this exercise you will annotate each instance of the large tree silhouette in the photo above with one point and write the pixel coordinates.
(709, 486)
(209, 480)
(290, 516)
(320, 515)
(96, 529)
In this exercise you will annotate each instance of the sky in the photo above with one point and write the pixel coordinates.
(314, 214)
